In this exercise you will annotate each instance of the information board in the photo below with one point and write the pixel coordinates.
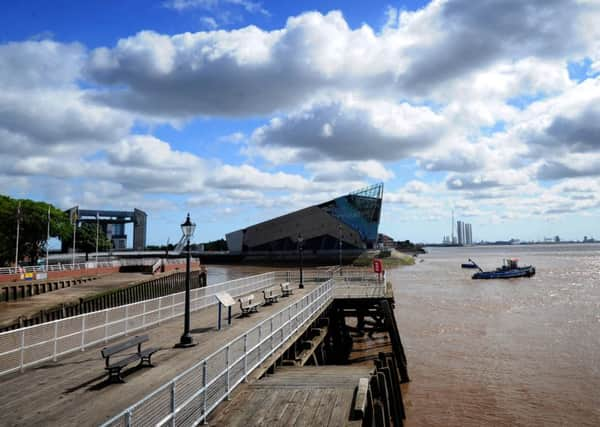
(225, 299)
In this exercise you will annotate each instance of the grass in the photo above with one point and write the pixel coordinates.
(394, 260)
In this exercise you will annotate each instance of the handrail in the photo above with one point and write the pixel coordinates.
(28, 346)
(219, 381)
(89, 265)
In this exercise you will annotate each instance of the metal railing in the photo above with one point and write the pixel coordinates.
(86, 265)
(192, 395)
(355, 283)
(31, 345)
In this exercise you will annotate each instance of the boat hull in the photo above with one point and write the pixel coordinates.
(506, 274)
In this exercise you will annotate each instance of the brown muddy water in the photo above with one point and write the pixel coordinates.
(517, 352)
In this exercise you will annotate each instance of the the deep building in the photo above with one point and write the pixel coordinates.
(352, 219)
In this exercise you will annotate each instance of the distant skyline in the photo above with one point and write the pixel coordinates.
(238, 111)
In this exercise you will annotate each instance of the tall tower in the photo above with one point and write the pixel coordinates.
(452, 229)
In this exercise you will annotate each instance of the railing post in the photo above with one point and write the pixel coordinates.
(173, 403)
(55, 340)
(246, 357)
(259, 339)
(172, 305)
(227, 369)
(82, 332)
(271, 334)
(106, 326)
(128, 418)
(22, 350)
(159, 304)
(204, 382)
(127, 317)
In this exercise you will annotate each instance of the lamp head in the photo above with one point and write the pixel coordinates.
(188, 227)
(300, 239)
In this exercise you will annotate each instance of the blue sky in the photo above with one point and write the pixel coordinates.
(238, 111)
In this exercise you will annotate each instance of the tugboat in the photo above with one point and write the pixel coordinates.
(509, 270)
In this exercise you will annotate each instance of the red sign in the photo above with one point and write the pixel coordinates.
(377, 266)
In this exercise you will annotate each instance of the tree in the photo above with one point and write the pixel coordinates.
(33, 228)
(86, 239)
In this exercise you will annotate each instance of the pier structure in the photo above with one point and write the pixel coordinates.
(58, 364)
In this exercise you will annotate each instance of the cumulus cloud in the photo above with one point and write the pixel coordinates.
(350, 129)
(249, 177)
(40, 64)
(334, 171)
(478, 91)
(462, 36)
(250, 71)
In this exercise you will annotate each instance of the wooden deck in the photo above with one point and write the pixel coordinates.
(73, 391)
(295, 396)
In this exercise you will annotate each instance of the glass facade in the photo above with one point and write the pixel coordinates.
(360, 210)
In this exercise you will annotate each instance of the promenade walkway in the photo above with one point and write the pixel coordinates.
(73, 391)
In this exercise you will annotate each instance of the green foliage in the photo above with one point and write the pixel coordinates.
(86, 239)
(32, 228)
(216, 245)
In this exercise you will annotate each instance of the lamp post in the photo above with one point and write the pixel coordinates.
(186, 339)
(340, 246)
(300, 249)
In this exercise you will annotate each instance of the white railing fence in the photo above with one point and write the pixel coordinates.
(355, 283)
(31, 345)
(87, 265)
(192, 395)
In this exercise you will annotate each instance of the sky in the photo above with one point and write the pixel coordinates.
(238, 111)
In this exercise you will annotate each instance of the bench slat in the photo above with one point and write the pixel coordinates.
(121, 363)
(109, 351)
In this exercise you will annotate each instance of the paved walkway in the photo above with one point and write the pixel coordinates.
(73, 391)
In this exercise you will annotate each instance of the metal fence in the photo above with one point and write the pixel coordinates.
(356, 283)
(31, 345)
(192, 395)
(87, 265)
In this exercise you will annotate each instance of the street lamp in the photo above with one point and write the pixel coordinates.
(340, 245)
(300, 249)
(186, 339)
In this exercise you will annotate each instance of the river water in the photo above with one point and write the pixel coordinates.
(512, 352)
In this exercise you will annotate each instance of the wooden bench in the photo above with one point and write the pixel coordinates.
(114, 368)
(286, 290)
(272, 295)
(247, 304)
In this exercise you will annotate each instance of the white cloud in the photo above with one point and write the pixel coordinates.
(250, 71)
(249, 177)
(355, 130)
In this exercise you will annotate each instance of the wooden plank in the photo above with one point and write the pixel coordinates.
(323, 412)
(307, 413)
(341, 408)
(360, 404)
(294, 407)
(261, 407)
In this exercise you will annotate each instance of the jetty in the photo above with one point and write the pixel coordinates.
(291, 362)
